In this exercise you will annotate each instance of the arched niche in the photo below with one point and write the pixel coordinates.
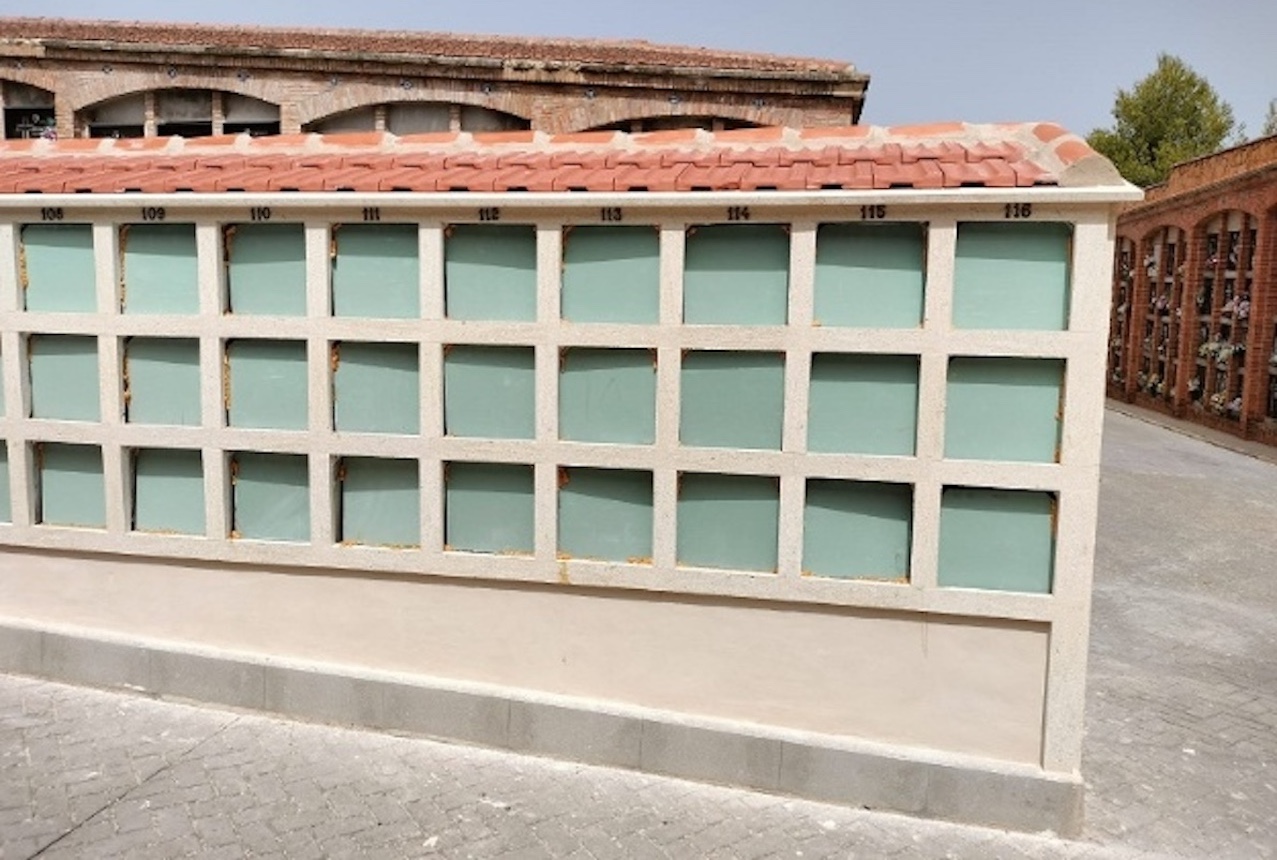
(418, 117)
(178, 111)
(1124, 261)
(1225, 285)
(28, 111)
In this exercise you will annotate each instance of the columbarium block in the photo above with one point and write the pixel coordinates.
(59, 267)
(266, 269)
(790, 453)
(162, 380)
(168, 491)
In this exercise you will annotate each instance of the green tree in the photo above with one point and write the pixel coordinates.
(1170, 116)
(1270, 119)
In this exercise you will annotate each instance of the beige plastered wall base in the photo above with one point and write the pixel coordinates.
(924, 714)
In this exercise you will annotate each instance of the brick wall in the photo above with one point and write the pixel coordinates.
(553, 102)
(1220, 167)
(1243, 179)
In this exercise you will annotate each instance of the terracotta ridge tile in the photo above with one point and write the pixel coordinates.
(350, 139)
(1048, 131)
(1071, 149)
(935, 129)
(585, 137)
(670, 136)
(762, 134)
(491, 138)
(848, 132)
(427, 138)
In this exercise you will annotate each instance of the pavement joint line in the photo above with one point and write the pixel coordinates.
(159, 771)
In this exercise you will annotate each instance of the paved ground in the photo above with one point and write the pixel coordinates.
(1181, 750)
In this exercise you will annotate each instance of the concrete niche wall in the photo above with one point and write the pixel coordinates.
(770, 495)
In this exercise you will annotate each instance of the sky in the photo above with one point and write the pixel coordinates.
(930, 60)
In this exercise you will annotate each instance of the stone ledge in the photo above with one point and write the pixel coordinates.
(813, 766)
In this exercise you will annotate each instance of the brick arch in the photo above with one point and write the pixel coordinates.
(326, 105)
(35, 78)
(14, 76)
(92, 95)
(1225, 211)
(1151, 233)
(597, 115)
(717, 114)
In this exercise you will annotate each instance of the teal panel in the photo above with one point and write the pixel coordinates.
(266, 269)
(1003, 409)
(863, 404)
(606, 514)
(64, 377)
(6, 496)
(490, 272)
(376, 388)
(272, 497)
(267, 384)
(611, 274)
(377, 271)
(380, 502)
(72, 492)
(997, 539)
(490, 391)
(608, 395)
(489, 508)
(732, 399)
(168, 491)
(161, 275)
(857, 530)
(59, 267)
(870, 275)
(1012, 276)
(728, 521)
(163, 380)
(736, 274)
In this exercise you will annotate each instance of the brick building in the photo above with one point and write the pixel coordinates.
(1194, 308)
(117, 79)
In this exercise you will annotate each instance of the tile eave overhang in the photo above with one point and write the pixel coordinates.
(555, 200)
(940, 162)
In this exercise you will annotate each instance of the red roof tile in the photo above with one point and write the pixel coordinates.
(944, 156)
(428, 46)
